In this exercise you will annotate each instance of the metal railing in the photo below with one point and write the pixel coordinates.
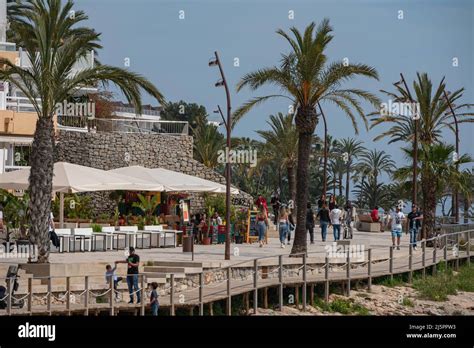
(112, 125)
(262, 273)
(131, 110)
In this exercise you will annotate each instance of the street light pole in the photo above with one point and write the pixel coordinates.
(228, 125)
(325, 167)
(455, 191)
(415, 148)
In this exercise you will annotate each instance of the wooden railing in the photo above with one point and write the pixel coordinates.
(261, 273)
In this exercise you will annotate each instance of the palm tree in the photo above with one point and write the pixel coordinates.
(374, 163)
(434, 115)
(147, 205)
(53, 43)
(438, 171)
(306, 79)
(351, 149)
(208, 141)
(282, 141)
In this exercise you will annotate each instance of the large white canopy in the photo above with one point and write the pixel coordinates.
(73, 178)
(173, 181)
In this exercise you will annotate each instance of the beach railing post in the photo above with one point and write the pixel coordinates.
(326, 280)
(305, 299)
(229, 296)
(280, 280)
(369, 269)
(201, 292)
(255, 286)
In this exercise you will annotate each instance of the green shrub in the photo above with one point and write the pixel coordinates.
(437, 288)
(407, 302)
(96, 228)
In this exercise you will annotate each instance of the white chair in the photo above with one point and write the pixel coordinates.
(64, 235)
(108, 234)
(83, 235)
(130, 233)
(156, 234)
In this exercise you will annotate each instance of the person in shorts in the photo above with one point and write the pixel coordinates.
(397, 218)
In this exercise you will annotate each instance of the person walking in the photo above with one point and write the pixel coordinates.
(349, 218)
(414, 224)
(133, 262)
(397, 218)
(336, 216)
(262, 224)
(332, 202)
(284, 225)
(324, 220)
(321, 201)
(310, 222)
(275, 202)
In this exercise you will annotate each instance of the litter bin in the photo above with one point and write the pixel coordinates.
(187, 244)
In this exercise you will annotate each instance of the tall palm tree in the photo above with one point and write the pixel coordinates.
(351, 150)
(374, 162)
(434, 115)
(208, 141)
(306, 78)
(282, 141)
(53, 43)
(438, 171)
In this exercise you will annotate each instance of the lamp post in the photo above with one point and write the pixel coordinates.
(415, 144)
(325, 166)
(213, 62)
(455, 196)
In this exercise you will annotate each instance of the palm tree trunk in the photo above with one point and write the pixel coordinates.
(305, 121)
(292, 182)
(41, 182)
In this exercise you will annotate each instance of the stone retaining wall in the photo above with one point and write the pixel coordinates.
(115, 150)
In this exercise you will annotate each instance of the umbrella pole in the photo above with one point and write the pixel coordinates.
(61, 209)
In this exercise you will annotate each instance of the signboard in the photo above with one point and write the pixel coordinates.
(185, 210)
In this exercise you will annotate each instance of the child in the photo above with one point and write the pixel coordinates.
(154, 299)
(109, 274)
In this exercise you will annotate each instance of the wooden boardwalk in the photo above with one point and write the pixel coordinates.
(260, 277)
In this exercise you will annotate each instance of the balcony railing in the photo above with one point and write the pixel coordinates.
(131, 110)
(7, 46)
(82, 124)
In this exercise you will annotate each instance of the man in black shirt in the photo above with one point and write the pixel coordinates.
(310, 222)
(324, 220)
(132, 261)
(414, 224)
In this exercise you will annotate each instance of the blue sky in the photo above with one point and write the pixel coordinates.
(173, 53)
